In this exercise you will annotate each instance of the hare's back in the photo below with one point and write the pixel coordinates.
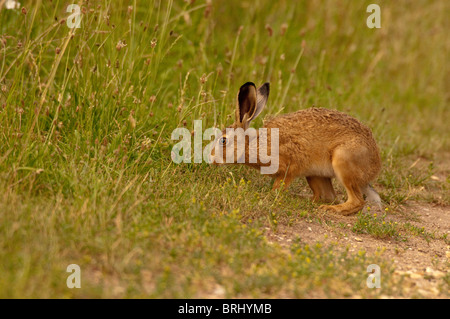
(320, 121)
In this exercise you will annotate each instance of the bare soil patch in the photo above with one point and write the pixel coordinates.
(421, 262)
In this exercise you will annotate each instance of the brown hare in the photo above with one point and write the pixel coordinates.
(316, 143)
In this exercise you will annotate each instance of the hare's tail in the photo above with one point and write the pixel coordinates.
(371, 195)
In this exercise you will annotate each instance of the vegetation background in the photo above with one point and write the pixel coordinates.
(86, 116)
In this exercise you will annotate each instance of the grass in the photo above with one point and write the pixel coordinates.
(376, 226)
(86, 117)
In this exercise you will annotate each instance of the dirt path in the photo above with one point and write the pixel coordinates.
(421, 262)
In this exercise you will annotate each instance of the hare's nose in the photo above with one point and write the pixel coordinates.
(211, 159)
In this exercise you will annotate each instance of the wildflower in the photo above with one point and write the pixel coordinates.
(120, 45)
(269, 30)
(284, 27)
(219, 69)
(203, 78)
(303, 44)
(132, 121)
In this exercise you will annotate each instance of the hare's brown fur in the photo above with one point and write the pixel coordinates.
(318, 144)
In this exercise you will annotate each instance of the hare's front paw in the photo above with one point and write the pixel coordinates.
(343, 209)
(330, 208)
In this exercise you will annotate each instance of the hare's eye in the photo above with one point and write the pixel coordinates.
(223, 141)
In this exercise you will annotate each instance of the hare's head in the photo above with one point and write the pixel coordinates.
(233, 145)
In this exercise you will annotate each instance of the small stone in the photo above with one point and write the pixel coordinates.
(400, 273)
(416, 276)
(423, 292)
(219, 291)
(434, 273)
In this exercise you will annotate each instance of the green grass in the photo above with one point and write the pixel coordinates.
(86, 116)
(376, 226)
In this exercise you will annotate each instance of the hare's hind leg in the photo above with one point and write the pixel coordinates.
(322, 188)
(349, 165)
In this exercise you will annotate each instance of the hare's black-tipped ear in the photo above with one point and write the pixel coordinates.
(246, 103)
(262, 95)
